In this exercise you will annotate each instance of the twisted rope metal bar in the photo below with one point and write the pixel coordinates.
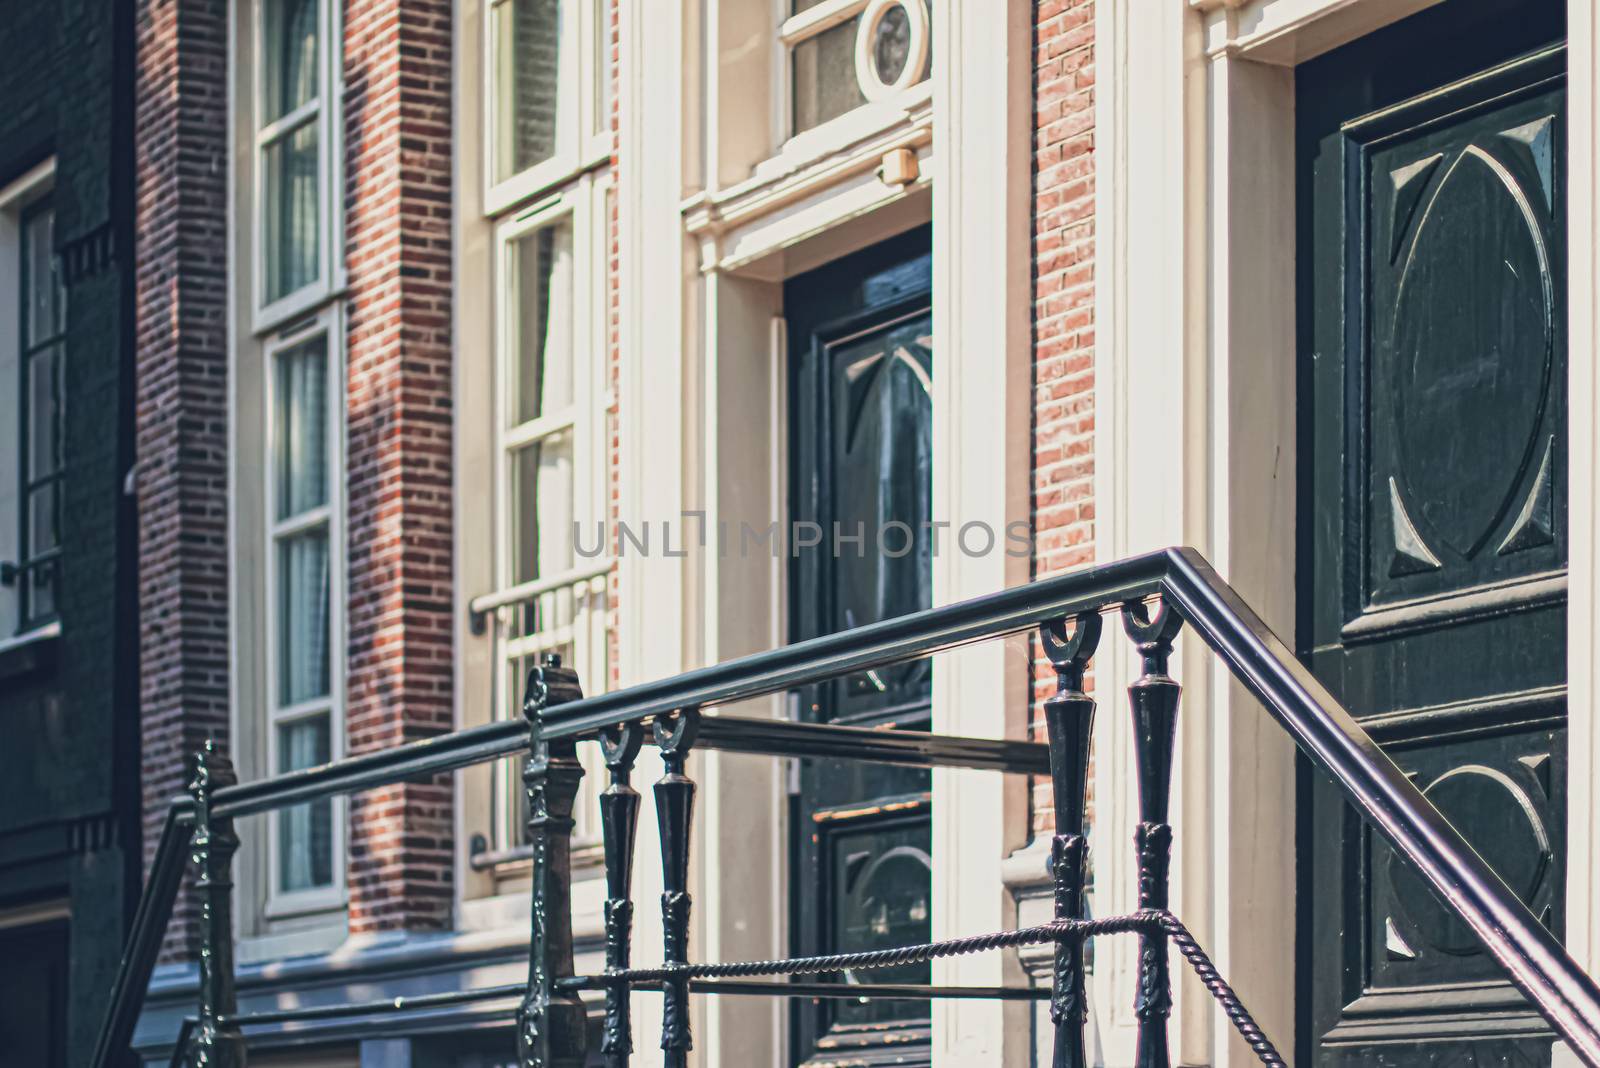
(887, 958)
(1058, 931)
(1207, 973)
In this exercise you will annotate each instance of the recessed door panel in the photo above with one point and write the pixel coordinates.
(1433, 534)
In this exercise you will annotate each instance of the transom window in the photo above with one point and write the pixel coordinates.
(845, 53)
(303, 563)
(295, 114)
(548, 90)
(36, 573)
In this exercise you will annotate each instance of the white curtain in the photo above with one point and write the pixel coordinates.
(303, 617)
(301, 433)
(291, 160)
(304, 595)
(305, 832)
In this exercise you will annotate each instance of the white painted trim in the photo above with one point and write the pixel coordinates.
(982, 316)
(40, 633)
(818, 18)
(755, 227)
(1583, 488)
(34, 183)
(654, 592)
(16, 198)
(873, 87)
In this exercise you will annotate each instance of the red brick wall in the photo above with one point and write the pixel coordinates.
(398, 251)
(181, 296)
(1063, 330)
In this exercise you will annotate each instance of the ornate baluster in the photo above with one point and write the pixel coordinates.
(1154, 698)
(217, 1042)
(551, 1030)
(675, 815)
(619, 815)
(1069, 723)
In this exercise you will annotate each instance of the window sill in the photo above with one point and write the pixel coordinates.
(34, 650)
(326, 937)
(302, 903)
(509, 911)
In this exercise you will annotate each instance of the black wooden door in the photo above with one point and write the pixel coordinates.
(1433, 525)
(861, 440)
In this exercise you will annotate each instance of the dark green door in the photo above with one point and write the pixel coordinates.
(861, 417)
(1433, 524)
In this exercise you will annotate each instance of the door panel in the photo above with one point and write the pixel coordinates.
(1433, 512)
(860, 332)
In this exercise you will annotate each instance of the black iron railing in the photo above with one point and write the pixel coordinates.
(1155, 594)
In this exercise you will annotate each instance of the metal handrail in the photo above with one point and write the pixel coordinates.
(1534, 960)
(149, 928)
(816, 660)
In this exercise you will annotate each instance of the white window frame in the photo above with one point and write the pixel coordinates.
(325, 111)
(796, 29)
(15, 199)
(584, 204)
(328, 323)
(583, 135)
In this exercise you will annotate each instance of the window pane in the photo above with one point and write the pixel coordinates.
(527, 79)
(303, 602)
(40, 593)
(305, 832)
(891, 44)
(44, 412)
(44, 515)
(45, 306)
(291, 211)
(300, 428)
(825, 83)
(289, 56)
(541, 508)
(541, 313)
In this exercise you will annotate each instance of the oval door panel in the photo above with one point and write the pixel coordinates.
(1473, 342)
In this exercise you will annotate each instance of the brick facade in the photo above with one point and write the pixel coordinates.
(398, 250)
(182, 406)
(69, 769)
(1063, 328)
(397, 232)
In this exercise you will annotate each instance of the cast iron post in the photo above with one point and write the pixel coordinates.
(675, 816)
(1069, 724)
(1154, 698)
(619, 817)
(551, 1030)
(217, 1042)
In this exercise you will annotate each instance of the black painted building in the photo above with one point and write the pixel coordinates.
(69, 767)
